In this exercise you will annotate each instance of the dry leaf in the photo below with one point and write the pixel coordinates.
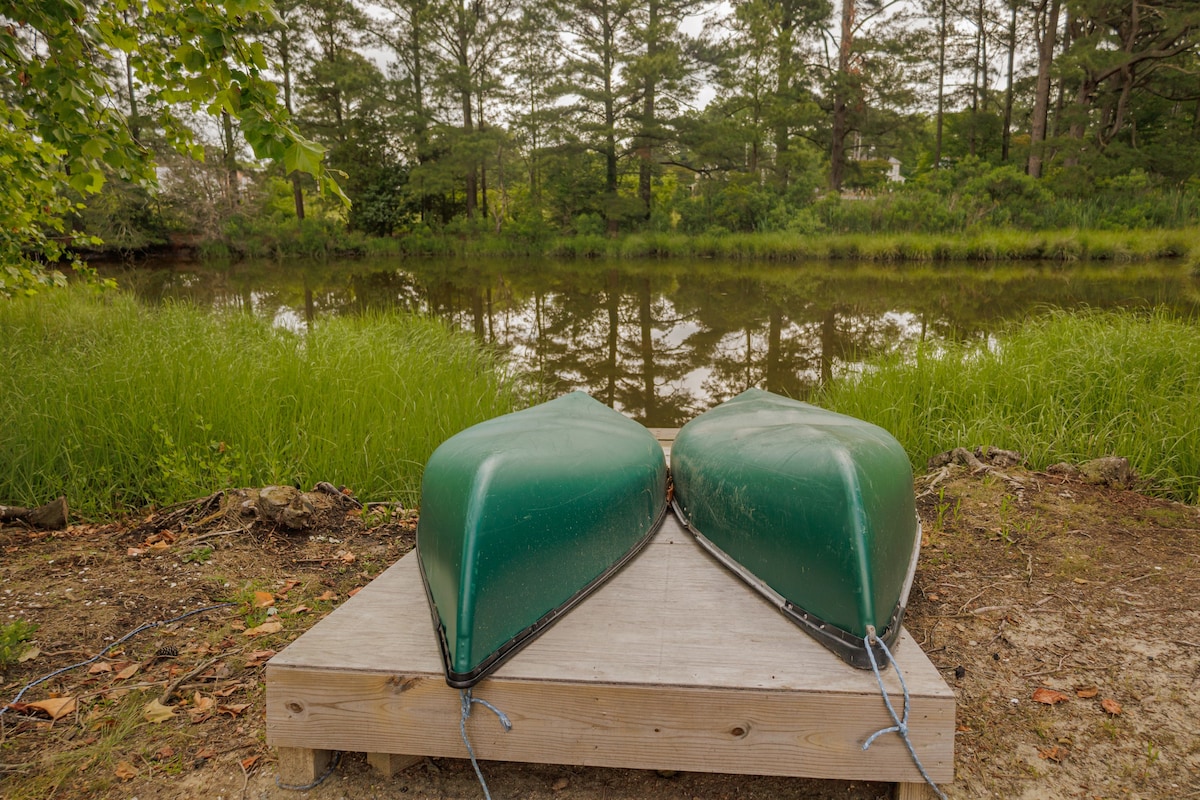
(1048, 696)
(1111, 706)
(267, 628)
(55, 707)
(129, 671)
(233, 709)
(159, 546)
(346, 556)
(164, 752)
(29, 655)
(560, 784)
(1087, 692)
(258, 657)
(263, 599)
(156, 712)
(288, 585)
(202, 703)
(125, 771)
(1055, 753)
(238, 625)
(98, 667)
(354, 591)
(205, 753)
(300, 610)
(328, 595)
(134, 552)
(249, 762)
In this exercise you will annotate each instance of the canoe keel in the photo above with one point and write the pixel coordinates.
(814, 510)
(523, 516)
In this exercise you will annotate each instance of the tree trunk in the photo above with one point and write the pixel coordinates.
(941, 85)
(1008, 94)
(646, 150)
(1041, 101)
(231, 169)
(783, 91)
(841, 114)
(285, 66)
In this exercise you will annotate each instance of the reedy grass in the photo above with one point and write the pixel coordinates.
(989, 245)
(1060, 387)
(117, 405)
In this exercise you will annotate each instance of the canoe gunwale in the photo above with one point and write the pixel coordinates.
(847, 646)
(465, 680)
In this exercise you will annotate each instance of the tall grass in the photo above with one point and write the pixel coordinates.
(1061, 387)
(117, 405)
(999, 244)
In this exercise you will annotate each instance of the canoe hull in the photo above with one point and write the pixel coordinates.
(815, 510)
(523, 516)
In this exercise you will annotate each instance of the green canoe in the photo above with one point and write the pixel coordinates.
(524, 515)
(813, 509)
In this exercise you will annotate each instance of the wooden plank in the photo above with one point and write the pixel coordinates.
(301, 766)
(388, 764)
(673, 664)
(913, 791)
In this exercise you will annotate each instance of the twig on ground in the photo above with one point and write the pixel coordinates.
(165, 697)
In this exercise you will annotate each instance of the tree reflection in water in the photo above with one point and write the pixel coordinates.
(663, 341)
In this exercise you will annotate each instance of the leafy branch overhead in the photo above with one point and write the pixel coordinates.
(62, 133)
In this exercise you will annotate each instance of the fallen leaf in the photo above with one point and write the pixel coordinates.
(288, 585)
(1087, 692)
(233, 709)
(228, 690)
(300, 610)
(1111, 706)
(205, 753)
(156, 712)
(164, 752)
(560, 784)
(98, 667)
(249, 762)
(354, 591)
(134, 552)
(128, 672)
(29, 655)
(346, 556)
(258, 657)
(55, 707)
(263, 599)
(125, 771)
(1082, 581)
(267, 628)
(201, 703)
(1055, 753)
(1048, 696)
(238, 625)
(328, 595)
(159, 546)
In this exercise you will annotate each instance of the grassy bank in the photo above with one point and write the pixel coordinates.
(1062, 387)
(117, 405)
(323, 241)
(985, 246)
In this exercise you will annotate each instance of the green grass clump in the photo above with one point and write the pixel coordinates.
(13, 637)
(1061, 387)
(118, 405)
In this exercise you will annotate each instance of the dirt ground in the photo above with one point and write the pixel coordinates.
(1061, 612)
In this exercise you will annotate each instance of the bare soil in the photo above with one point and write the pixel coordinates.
(1063, 613)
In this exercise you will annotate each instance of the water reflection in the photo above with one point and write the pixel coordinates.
(663, 342)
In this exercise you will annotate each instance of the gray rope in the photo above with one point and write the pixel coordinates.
(467, 700)
(100, 655)
(900, 725)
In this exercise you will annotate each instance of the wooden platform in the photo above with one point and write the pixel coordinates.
(673, 664)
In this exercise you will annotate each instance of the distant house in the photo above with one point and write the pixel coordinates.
(894, 170)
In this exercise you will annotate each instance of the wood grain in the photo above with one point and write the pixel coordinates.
(673, 664)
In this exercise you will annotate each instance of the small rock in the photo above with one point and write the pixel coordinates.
(1112, 470)
(1064, 469)
(560, 784)
(286, 506)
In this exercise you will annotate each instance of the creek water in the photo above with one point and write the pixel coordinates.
(664, 340)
